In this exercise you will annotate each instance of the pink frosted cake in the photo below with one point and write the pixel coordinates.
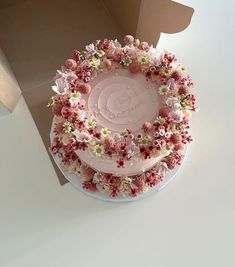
(121, 116)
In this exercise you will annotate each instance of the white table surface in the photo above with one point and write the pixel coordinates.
(190, 223)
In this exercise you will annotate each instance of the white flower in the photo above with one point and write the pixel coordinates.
(163, 89)
(165, 151)
(81, 114)
(82, 136)
(172, 101)
(98, 150)
(90, 123)
(95, 63)
(63, 78)
(105, 132)
(177, 115)
(67, 139)
(98, 177)
(67, 126)
(90, 48)
(125, 185)
(167, 134)
(127, 60)
(154, 57)
(177, 106)
(161, 132)
(74, 98)
(106, 187)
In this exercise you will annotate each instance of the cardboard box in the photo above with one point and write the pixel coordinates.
(37, 36)
(9, 88)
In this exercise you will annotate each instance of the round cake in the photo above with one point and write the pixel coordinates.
(121, 116)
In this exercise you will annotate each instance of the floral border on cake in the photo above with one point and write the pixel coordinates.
(75, 128)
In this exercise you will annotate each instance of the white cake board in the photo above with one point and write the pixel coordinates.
(77, 181)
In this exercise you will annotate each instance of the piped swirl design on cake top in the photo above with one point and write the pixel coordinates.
(79, 120)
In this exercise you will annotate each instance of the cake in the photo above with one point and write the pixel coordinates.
(121, 116)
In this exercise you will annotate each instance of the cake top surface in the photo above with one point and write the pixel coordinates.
(122, 102)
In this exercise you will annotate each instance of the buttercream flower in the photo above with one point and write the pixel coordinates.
(177, 115)
(98, 150)
(105, 132)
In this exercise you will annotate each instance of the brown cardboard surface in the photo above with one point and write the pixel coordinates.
(36, 100)
(147, 19)
(9, 88)
(42, 34)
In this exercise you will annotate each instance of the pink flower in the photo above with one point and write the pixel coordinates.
(164, 111)
(183, 90)
(70, 64)
(129, 39)
(56, 109)
(87, 173)
(83, 88)
(76, 55)
(176, 138)
(106, 44)
(67, 139)
(107, 63)
(59, 128)
(66, 112)
(89, 185)
(120, 163)
(144, 46)
(115, 181)
(177, 115)
(134, 67)
(147, 126)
